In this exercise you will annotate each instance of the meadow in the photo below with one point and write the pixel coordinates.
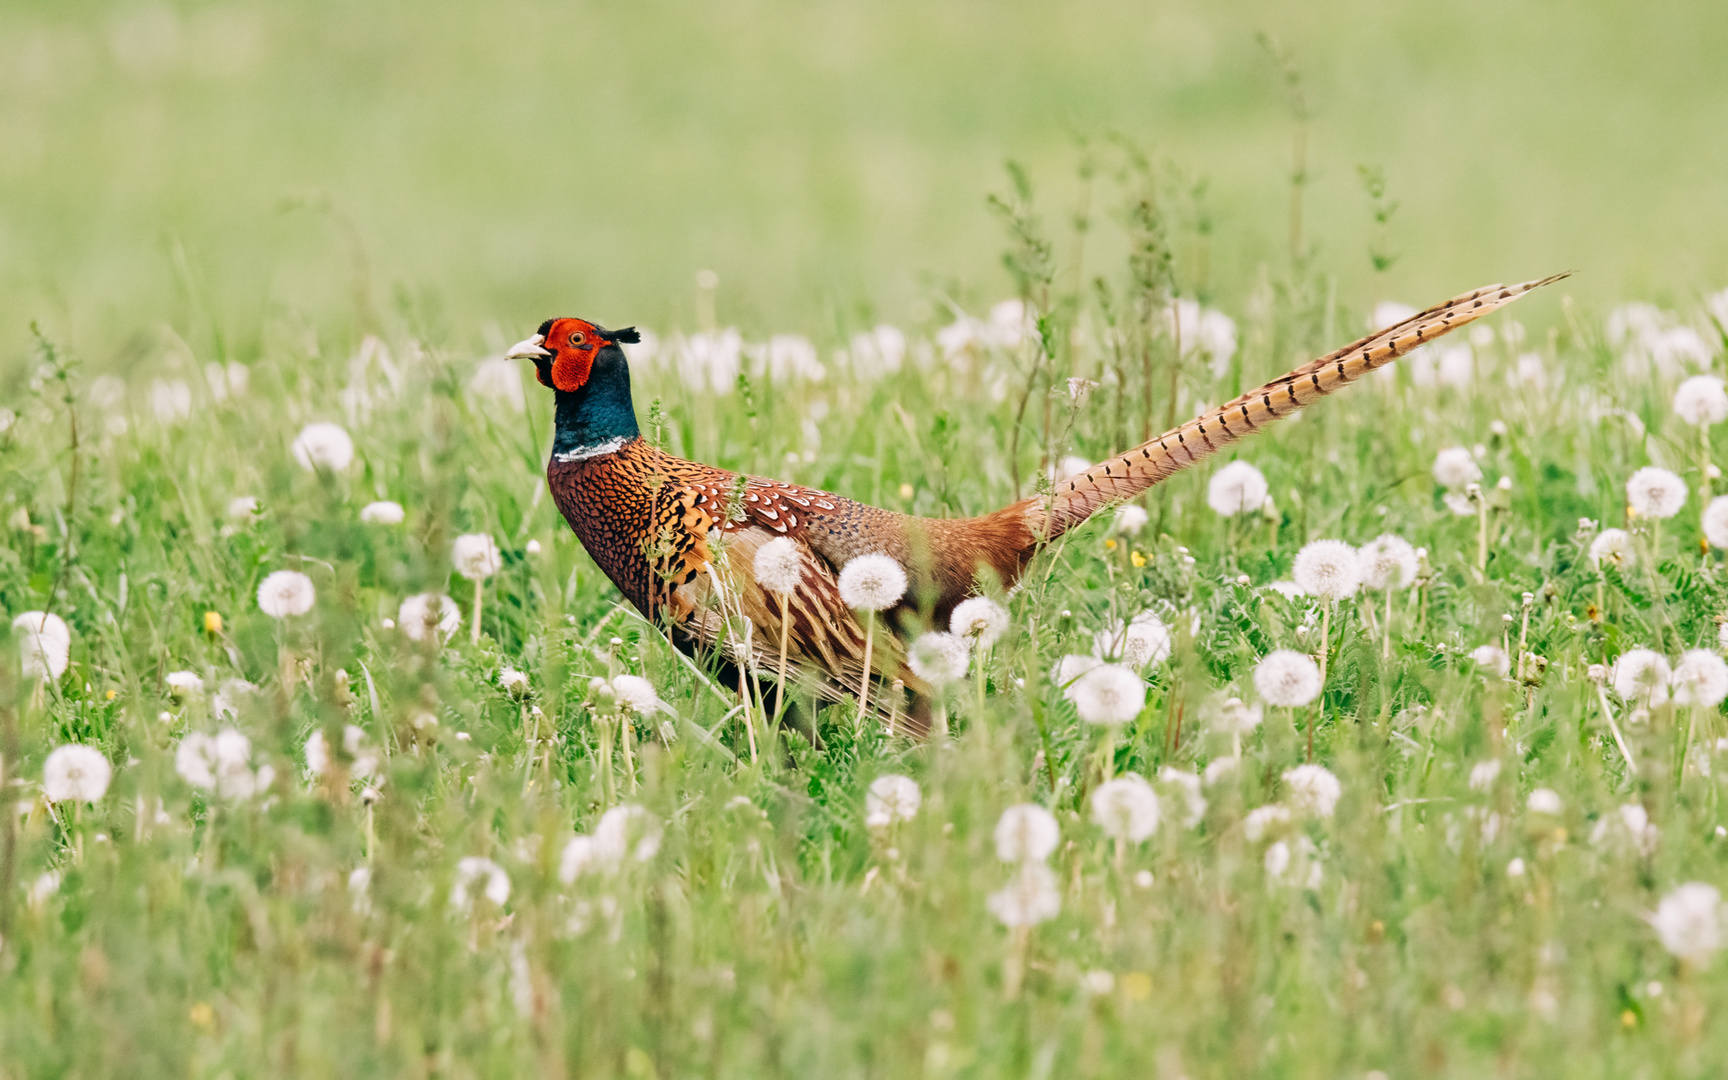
(331, 753)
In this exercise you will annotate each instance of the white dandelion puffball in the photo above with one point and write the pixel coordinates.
(1329, 569)
(1700, 678)
(221, 764)
(627, 832)
(576, 858)
(1701, 401)
(1264, 820)
(1237, 717)
(1026, 833)
(1066, 674)
(429, 617)
(1126, 808)
(512, 682)
(384, 512)
(1030, 897)
(637, 696)
(890, 799)
(1483, 774)
(1287, 678)
(226, 703)
(1612, 546)
(500, 380)
(1109, 695)
(1129, 520)
(1492, 657)
(939, 658)
(1722, 635)
(872, 582)
(1143, 640)
(183, 683)
(1544, 801)
(1716, 522)
(475, 874)
(1454, 467)
(779, 566)
(979, 619)
(1237, 488)
(1388, 562)
(475, 556)
(323, 446)
(1688, 922)
(1069, 466)
(1313, 789)
(1642, 676)
(317, 753)
(1188, 785)
(1655, 493)
(285, 593)
(45, 644)
(243, 507)
(76, 773)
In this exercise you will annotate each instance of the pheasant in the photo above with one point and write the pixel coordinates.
(678, 538)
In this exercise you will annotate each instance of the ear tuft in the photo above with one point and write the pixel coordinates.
(626, 336)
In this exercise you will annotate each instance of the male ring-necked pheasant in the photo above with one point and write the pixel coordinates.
(657, 524)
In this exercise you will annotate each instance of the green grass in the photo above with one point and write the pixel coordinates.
(449, 183)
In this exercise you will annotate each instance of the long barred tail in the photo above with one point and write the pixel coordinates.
(1128, 474)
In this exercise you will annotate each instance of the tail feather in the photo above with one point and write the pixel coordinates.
(1128, 474)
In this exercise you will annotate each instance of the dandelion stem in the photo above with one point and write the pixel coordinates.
(474, 631)
(1386, 639)
(785, 628)
(629, 758)
(864, 680)
(1619, 740)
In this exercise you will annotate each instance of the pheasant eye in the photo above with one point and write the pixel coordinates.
(578, 338)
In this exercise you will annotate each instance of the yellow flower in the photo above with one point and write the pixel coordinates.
(1137, 559)
(212, 623)
(1109, 545)
(112, 694)
(1137, 986)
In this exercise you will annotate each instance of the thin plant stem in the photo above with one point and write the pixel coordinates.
(474, 631)
(785, 628)
(864, 680)
(1619, 740)
(626, 737)
(1386, 641)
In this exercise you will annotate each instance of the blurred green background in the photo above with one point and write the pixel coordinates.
(234, 168)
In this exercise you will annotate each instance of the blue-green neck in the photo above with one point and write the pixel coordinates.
(600, 416)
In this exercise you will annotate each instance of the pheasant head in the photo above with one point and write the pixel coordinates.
(565, 351)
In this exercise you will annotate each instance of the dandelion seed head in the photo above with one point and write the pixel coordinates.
(1129, 520)
(317, 752)
(1188, 786)
(1688, 922)
(76, 773)
(1030, 897)
(1641, 677)
(1109, 695)
(627, 832)
(1454, 467)
(243, 508)
(285, 593)
(1493, 658)
(323, 446)
(478, 875)
(512, 682)
(1545, 801)
(1655, 493)
(1613, 547)
(1068, 670)
(1329, 569)
(1287, 678)
(1313, 789)
(383, 513)
(1388, 562)
(1237, 488)
(779, 566)
(1026, 833)
(475, 556)
(1716, 522)
(890, 799)
(637, 695)
(183, 683)
(576, 858)
(499, 380)
(939, 658)
(1701, 401)
(1483, 774)
(1264, 820)
(1142, 640)
(44, 645)
(872, 583)
(1126, 808)
(1700, 679)
(429, 617)
(979, 619)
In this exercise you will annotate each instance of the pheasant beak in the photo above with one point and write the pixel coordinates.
(530, 349)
